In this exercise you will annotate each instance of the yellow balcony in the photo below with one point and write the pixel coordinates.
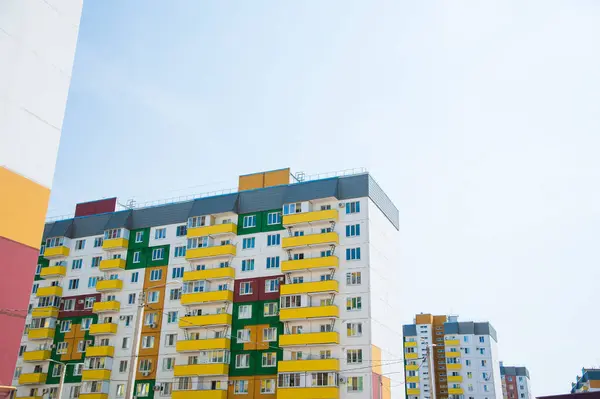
(206, 320)
(214, 230)
(100, 351)
(46, 311)
(310, 312)
(93, 396)
(29, 397)
(109, 285)
(452, 354)
(112, 264)
(310, 264)
(95, 375)
(310, 240)
(412, 379)
(456, 391)
(412, 367)
(115, 244)
(410, 344)
(411, 356)
(330, 215)
(32, 378)
(204, 394)
(312, 393)
(194, 345)
(40, 333)
(310, 288)
(207, 297)
(413, 391)
(53, 272)
(103, 328)
(293, 366)
(201, 369)
(453, 366)
(210, 252)
(452, 342)
(107, 306)
(455, 378)
(56, 252)
(36, 356)
(49, 291)
(320, 338)
(210, 274)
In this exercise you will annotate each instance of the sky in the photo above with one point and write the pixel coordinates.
(479, 119)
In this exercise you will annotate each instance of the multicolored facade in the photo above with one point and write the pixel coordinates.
(588, 381)
(455, 359)
(515, 382)
(264, 293)
(38, 46)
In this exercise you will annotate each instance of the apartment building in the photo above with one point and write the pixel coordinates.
(588, 381)
(267, 292)
(515, 382)
(448, 359)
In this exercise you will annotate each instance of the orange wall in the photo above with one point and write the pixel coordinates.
(253, 387)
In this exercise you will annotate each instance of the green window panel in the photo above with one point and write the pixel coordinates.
(145, 239)
(44, 262)
(159, 262)
(141, 382)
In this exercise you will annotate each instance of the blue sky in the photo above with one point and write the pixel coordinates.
(480, 121)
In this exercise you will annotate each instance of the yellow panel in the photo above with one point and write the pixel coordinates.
(290, 366)
(95, 375)
(310, 217)
(207, 320)
(32, 378)
(201, 369)
(29, 397)
(455, 391)
(386, 384)
(217, 229)
(412, 379)
(23, 206)
(376, 359)
(112, 264)
(207, 297)
(56, 252)
(49, 291)
(312, 393)
(413, 391)
(210, 252)
(412, 367)
(115, 243)
(455, 378)
(205, 394)
(40, 333)
(453, 366)
(251, 182)
(277, 177)
(452, 342)
(410, 344)
(411, 356)
(103, 328)
(307, 288)
(310, 263)
(36, 356)
(308, 312)
(452, 354)
(210, 274)
(53, 271)
(100, 351)
(93, 396)
(109, 285)
(321, 338)
(106, 306)
(311, 239)
(203, 344)
(48, 311)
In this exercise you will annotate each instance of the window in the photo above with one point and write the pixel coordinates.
(153, 296)
(243, 335)
(170, 339)
(246, 288)
(248, 243)
(144, 389)
(270, 309)
(291, 301)
(78, 367)
(249, 221)
(196, 221)
(69, 304)
(38, 269)
(273, 262)
(131, 299)
(74, 284)
(467, 362)
(145, 365)
(96, 261)
(240, 387)
(353, 278)
(352, 207)
(168, 363)
(269, 359)
(61, 347)
(155, 275)
(92, 282)
(273, 239)
(89, 302)
(353, 303)
(57, 369)
(289, 380)
(298, 233)
(242, 361)
(353, 230)
(158, 253)
(128, 320)
(42, 249)
(482, 351)
(469, 374)
(160, 234)
(77, 263)
(148, 342)
(355, 384)
(272, 285)
(177, 272)
(273, 218)
(134, 277)
(180, 251)
(172, 317)
(79, 245)
(181, 230)
(352, 253)
(483, 363)
(86, 323)
(245, 311)
(34, 288)
(22, 350)
(247, 265)
(354, 329)
(125, 343)
(175, 294)
(136, 256)
(292, 208)
(267, 386)
(481, 339)
(150, 319)
(139, 236)
(112, 234)
(270, 334)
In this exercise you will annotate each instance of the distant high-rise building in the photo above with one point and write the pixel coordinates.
(588, 381)
(451, 358)
(515, 382)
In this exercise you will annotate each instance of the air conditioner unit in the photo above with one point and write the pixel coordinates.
(342, 380)
(341, 205)
(80, 301)
(158, 387)
(153, 325)
(122, 317)
(145, 373)
(52, 346)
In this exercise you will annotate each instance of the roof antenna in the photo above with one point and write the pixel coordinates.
(130, 204)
